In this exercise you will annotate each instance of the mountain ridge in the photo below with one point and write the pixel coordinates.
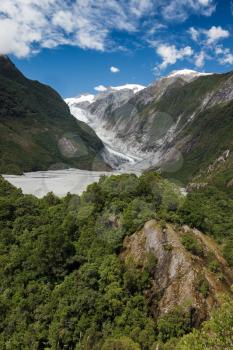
(37, 130)
(161, 123)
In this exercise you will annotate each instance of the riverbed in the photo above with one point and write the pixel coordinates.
(60, 182)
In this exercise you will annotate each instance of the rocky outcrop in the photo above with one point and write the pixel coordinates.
(180, 278)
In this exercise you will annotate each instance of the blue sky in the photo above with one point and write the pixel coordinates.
(76, 45)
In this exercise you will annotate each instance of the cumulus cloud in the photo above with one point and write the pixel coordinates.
(170, 54)
(100, 88)
(26, 26)
(210, 36)
(225, 55)
(215, 34)
(114, 69)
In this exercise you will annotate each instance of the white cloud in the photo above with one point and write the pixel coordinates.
(100, 88)
(227, 59)
(64, 20)
(170, 54)
(114, 69)
(214, 34)
(181, 9)
(200, 59)
(26, 26)
(140, 7)
(224, 55)
(210, 36)
(194, 33)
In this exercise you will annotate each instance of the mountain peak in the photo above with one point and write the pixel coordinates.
(8, 68)
(186, 72)
(87, 98)
(135, 87)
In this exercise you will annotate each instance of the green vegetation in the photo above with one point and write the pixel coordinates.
(37, 130)
(211, 210)
(213, 263)
(174, 324)
(191, 244)
(64, 284)
(203, 286)
(215, 334)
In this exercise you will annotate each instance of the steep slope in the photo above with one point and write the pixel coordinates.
(37, 131)
(181, 276)
(180, 124)
(218, 173)
(94, 110)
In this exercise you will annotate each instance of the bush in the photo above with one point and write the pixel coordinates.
(123, 343)
(213, 263)
(203, 287)
(135, 280)
(214, 334)
(228, 252)
(191, 244)
(174, 324)
(151, 263)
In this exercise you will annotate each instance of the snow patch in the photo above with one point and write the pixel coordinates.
(184, 72)
(135, 87)
(79, 99)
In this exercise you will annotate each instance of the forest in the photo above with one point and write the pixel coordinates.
(64, 284)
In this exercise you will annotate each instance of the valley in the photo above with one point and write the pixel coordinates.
(136, 128)
(116, 213)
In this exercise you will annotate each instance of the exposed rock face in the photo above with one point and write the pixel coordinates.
(222, 95)
(178, 271)
(179, 125)
(109, 101)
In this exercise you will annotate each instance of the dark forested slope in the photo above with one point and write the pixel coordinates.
(37, 131)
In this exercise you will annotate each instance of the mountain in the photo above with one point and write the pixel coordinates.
(95, 110)
(113, 96)
(180, 124)
(37, 130)
(187, 74)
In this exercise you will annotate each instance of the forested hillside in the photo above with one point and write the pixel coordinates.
(37, 131)
(71, 275)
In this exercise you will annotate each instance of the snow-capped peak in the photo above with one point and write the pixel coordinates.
(135, 87)
(79, 99)
(186, 72)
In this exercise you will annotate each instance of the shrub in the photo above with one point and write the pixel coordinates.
(192, 244)
(174, 324)
(214, 334)
(151, 263)
(213, 263)
(203, 287)
(123, 343)
(228, 252)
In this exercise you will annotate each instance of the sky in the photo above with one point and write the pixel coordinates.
(79, 46)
